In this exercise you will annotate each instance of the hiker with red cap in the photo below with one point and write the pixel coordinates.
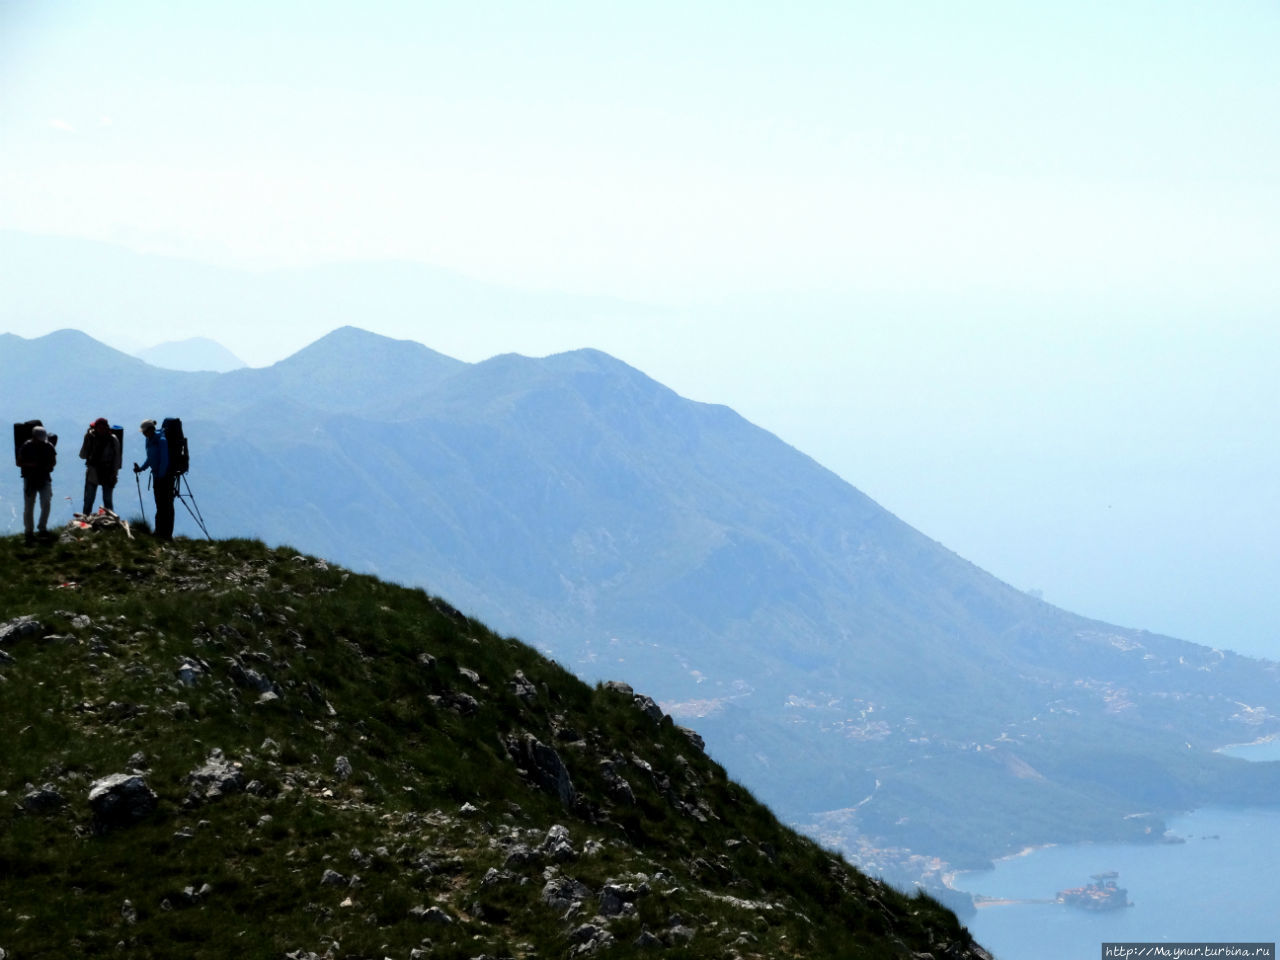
(101, 453)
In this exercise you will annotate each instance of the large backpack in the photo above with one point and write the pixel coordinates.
(22, 433)
(179, 459)
(119, 432)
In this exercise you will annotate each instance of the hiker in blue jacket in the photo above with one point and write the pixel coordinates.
(161, 481)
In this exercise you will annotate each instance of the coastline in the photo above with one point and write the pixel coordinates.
(948, 878)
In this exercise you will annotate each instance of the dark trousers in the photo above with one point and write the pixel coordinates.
(91, 492)
(163, 488)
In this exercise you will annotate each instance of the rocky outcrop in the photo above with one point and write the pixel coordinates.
(121, 799)
(542, 765)
(214, 778)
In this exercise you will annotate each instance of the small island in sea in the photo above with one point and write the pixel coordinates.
(1101, 894)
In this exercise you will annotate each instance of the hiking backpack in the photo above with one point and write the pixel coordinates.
(22, 433)
(179, 459)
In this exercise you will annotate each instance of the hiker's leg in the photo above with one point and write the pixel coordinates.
(28, 508)
(46, 499)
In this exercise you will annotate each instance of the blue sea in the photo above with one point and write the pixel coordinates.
(1221, 885)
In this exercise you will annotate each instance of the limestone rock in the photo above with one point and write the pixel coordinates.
(20, 627)
(694, 738)
(121, 799)
(432, 915)
(522, 688)
(563, 893)
(556, 845)
(589, 938)
(215, 778)
(332, 878)
(46, 799)
(543, 765)
(649, 707)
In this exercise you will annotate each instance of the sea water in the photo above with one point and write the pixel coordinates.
(1222, 885)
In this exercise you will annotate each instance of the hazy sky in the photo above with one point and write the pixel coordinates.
(1011, 268)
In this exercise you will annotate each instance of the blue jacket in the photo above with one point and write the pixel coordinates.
(157, 455)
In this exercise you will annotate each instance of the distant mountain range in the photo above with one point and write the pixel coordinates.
(857, 676)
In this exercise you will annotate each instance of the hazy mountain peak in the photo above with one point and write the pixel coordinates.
(192, 354)
(355, 344)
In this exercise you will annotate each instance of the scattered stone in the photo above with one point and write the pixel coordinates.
(617, 686)
(213, 779)
(468, 809)
(556, 845)
(523, 688)
(618, 899)
(679, 933)
(543, 765)
(248, 677)
(427, 660)
(121, 799)
(649, 707)
(139, 762)
(494, 876)
(462, 704)
(694, 738)
(615, 785)
(128, 913)
(589, 938)
(431, 915)
(46, 799)
(332, 878)
(19, 628)
(342, 768)
(470, 675)
(189, 673)
(564, 893)
(519, 855)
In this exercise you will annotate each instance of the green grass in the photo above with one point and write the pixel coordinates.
(371, 672)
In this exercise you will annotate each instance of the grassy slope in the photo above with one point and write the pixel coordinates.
(713, 872)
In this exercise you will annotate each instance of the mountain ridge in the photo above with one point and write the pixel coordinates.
(225, 748)
(820, 644)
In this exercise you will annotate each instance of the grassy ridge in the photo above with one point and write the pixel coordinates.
(377, 807)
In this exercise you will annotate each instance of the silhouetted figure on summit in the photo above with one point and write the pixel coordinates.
(100, 451)
(162, 482)
(37, 457)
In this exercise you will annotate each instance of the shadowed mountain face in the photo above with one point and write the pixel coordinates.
(858, 676)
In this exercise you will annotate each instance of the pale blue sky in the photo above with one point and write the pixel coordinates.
(1011, 268)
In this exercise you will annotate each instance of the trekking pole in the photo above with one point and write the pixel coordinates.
(141, 509)
(196, 515)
